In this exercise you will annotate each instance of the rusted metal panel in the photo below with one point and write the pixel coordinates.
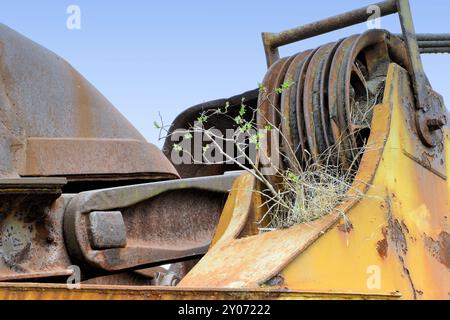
(43, 98)
(404, 208)
(34, 291)
(99, 159)
(250, 261)
(47, 186)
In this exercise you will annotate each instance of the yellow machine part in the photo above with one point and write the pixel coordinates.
(398, 240)
(392, 242)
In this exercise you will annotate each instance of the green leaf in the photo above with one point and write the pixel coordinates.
(294, 178)
(203, 118)
(156, 125)
(246, 127)
(242, 110)
(284, 86)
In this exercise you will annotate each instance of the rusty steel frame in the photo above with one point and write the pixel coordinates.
(274, 40)
(432, 42)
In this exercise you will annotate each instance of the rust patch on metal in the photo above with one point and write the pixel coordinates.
(397, 236)
(439, 249)
(83, 104)
(382, 245)
(398, 239)
(31, 239)
(345, 227)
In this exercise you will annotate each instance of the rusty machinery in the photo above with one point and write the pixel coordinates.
(80, 186)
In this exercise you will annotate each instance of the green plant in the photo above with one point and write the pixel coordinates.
(307, 191)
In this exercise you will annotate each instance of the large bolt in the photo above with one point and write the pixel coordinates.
(436, 123)
(107, 230)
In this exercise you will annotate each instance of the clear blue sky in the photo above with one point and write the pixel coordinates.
(164, 56)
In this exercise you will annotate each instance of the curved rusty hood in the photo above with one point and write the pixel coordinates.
(53, 122)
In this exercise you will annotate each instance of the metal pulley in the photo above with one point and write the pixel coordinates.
(328, 105)
(334, 87)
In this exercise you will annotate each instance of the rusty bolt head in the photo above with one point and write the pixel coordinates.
(436, 123)
(107, 230)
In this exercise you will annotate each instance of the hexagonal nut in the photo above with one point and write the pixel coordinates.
(107, 230)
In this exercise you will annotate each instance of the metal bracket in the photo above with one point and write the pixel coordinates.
(430, 116)
(147, 224)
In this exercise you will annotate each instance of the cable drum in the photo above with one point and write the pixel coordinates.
(325, 114)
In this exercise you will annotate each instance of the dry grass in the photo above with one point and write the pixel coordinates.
(318, 188)
(308, 195)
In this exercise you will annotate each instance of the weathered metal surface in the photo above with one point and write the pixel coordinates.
(352, 84)
(266, 118)
(398, 215)
(272, 41)
(392, 226)
(338, 125)
(430, 114)
(81, 159)
(31, 238)
(43, 98)
(333, 83)
(187, 119)
(165, 221)
(401, 219)
(43, 186)
(435, 50)
(292, 147)
(250, 262)
(107, 230)
(27, 291)
(315, 131)
(329, 128)
(432, 42)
